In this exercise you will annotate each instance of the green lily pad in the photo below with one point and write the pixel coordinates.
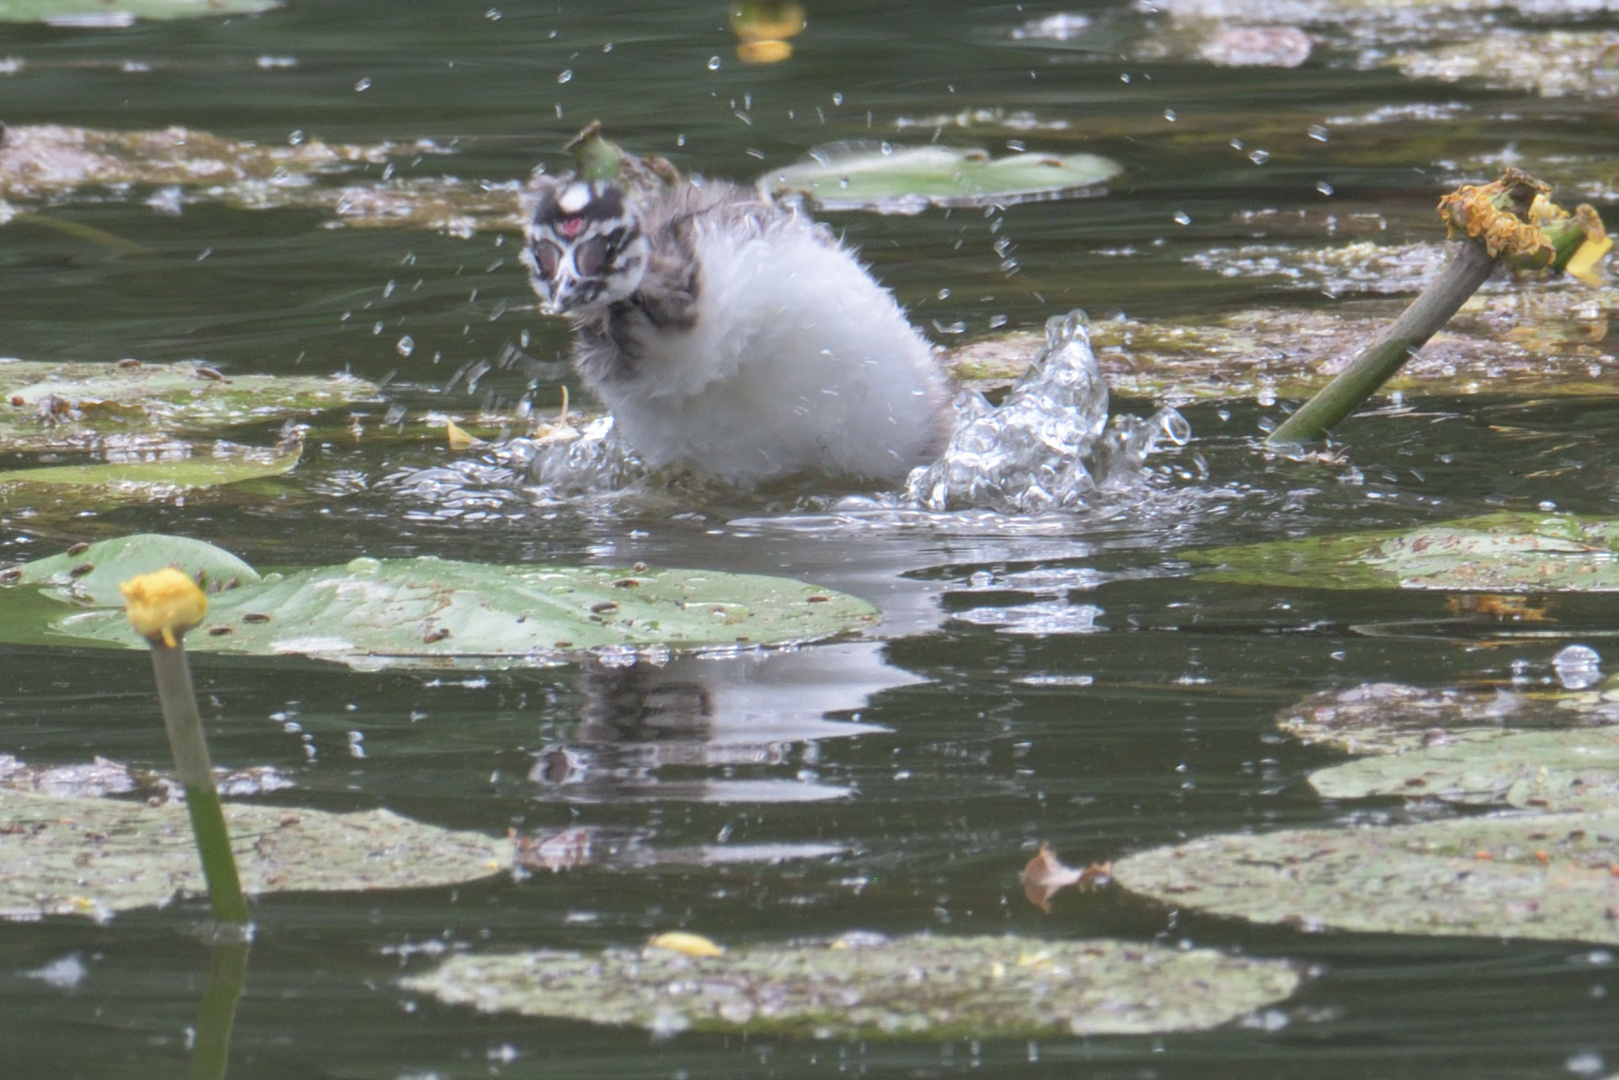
(1546, 770)
(105, 13)
(909, 179)
(91, 575)
(135, 408)
(227, 464)
(915, 987)
(435, 612)
(1533, 340)
(1537, 876)
(1506, 552)
(95, 857)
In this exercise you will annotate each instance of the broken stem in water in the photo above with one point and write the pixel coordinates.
(1510, 221)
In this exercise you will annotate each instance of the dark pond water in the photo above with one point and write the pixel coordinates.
(1131, 707)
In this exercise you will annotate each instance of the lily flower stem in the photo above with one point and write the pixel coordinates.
(227, 975)
(1469, 267)
(196, 774)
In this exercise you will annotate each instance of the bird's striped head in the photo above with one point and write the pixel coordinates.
(584, 247)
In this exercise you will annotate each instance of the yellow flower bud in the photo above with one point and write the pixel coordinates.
(163, 604)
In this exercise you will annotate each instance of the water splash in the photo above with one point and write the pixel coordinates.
(1049, 445)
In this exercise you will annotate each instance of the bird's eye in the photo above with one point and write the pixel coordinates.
(549, 255)
(590, 256)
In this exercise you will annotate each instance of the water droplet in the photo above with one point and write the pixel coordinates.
(1318, 133)
(1125, 77)
(295, 137)
(1236, 144)
(1169, 114)
(944, 294)
(1259, 157)
(566, 76)
(607, 47)
(376, 328)
(493, 14)
(887, 149)
(837, 99)
(1182, 217)
(362, 86)
(713, 63)
(405, 345)
(997, 321)
(1323, 187)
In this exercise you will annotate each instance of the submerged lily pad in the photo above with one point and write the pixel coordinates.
(132, 408)
(1507, 552)
(103, 13)
(1539, 876)
(1547, 770)
(1543, 339)
(1551, 63)
(94, 857)
(227, 464)
(909, 179)
(435, 611)
(914, 987)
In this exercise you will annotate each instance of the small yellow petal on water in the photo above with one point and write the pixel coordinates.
(1582, 264)
(689, 944)
(459, 440)
(163, 604)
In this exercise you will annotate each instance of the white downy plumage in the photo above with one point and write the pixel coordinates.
(733, 337)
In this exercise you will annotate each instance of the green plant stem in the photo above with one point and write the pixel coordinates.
(196, 774)
(227, 975)
(1467, 269)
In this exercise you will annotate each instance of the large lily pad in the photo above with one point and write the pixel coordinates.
(1547, 770)
(915, 987)
(1506, 552)
(94, 857)
(1529, 341)
(437, 611)
(100, 13)
(1540, 876)
(909, 179)
(133, 408)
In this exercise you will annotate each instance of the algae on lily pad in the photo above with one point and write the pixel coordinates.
(1576, 769)
(94, 857)
(909, 179)
(112, 13)
(1538, 876)
(131, 407)
(1391, 718)
(429, 611)
(862, 986)
(1539, 339)
(1506, 552)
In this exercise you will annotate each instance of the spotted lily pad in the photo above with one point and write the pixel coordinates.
(95, 857)
(433, 612)
(107, 13)
(134, 408)
(1539, 876)
(909, 179)
(1547, 770)
(862, 986)
(1506, 552)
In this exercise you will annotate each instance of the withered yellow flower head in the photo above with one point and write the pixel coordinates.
(163, 604)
